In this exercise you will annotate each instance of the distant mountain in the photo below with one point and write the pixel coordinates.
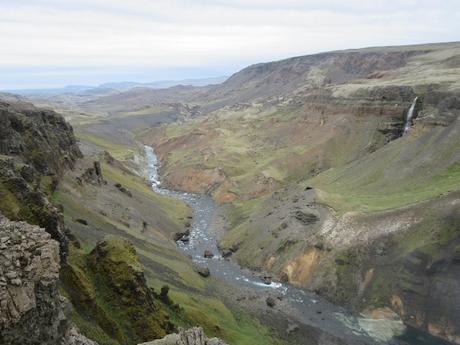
(65, 89)
(120, 86)
(163, 84)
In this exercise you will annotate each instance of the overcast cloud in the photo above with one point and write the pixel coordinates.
(47, 43)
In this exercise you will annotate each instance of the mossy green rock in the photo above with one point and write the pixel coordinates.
(21, 198)
(109, 288)
(41, 137)
(118, 272)
(36, 147)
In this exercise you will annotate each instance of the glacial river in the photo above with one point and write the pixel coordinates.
(304, 307)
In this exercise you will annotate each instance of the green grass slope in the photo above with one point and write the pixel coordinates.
(148, 221)
(422, 165)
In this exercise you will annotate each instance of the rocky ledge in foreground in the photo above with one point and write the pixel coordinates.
(31, 309)
(192, 336)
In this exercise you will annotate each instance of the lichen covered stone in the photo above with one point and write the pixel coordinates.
(31, 309)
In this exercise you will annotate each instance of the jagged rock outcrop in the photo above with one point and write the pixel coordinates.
(192, 336)
(109, 290)
(31, 309)
(22, 198)
(92, 175)
(41, 137)
(36, 147)
(117, 267)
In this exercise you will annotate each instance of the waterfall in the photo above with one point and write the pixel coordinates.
(410, 115)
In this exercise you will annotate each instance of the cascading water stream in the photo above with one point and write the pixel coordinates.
(303, 304)
(410, 116)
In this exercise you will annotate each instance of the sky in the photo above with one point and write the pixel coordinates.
(52, 43)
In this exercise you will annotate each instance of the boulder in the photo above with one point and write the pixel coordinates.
(123, 189)
(266, 279)
(203, 271)
(182, 236)
(284, 277)
(208, 254)
(292, 328)
(306, 218)
(81, 221)
(271, 302)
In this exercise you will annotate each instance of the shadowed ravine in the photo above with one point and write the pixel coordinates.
(303, 306)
